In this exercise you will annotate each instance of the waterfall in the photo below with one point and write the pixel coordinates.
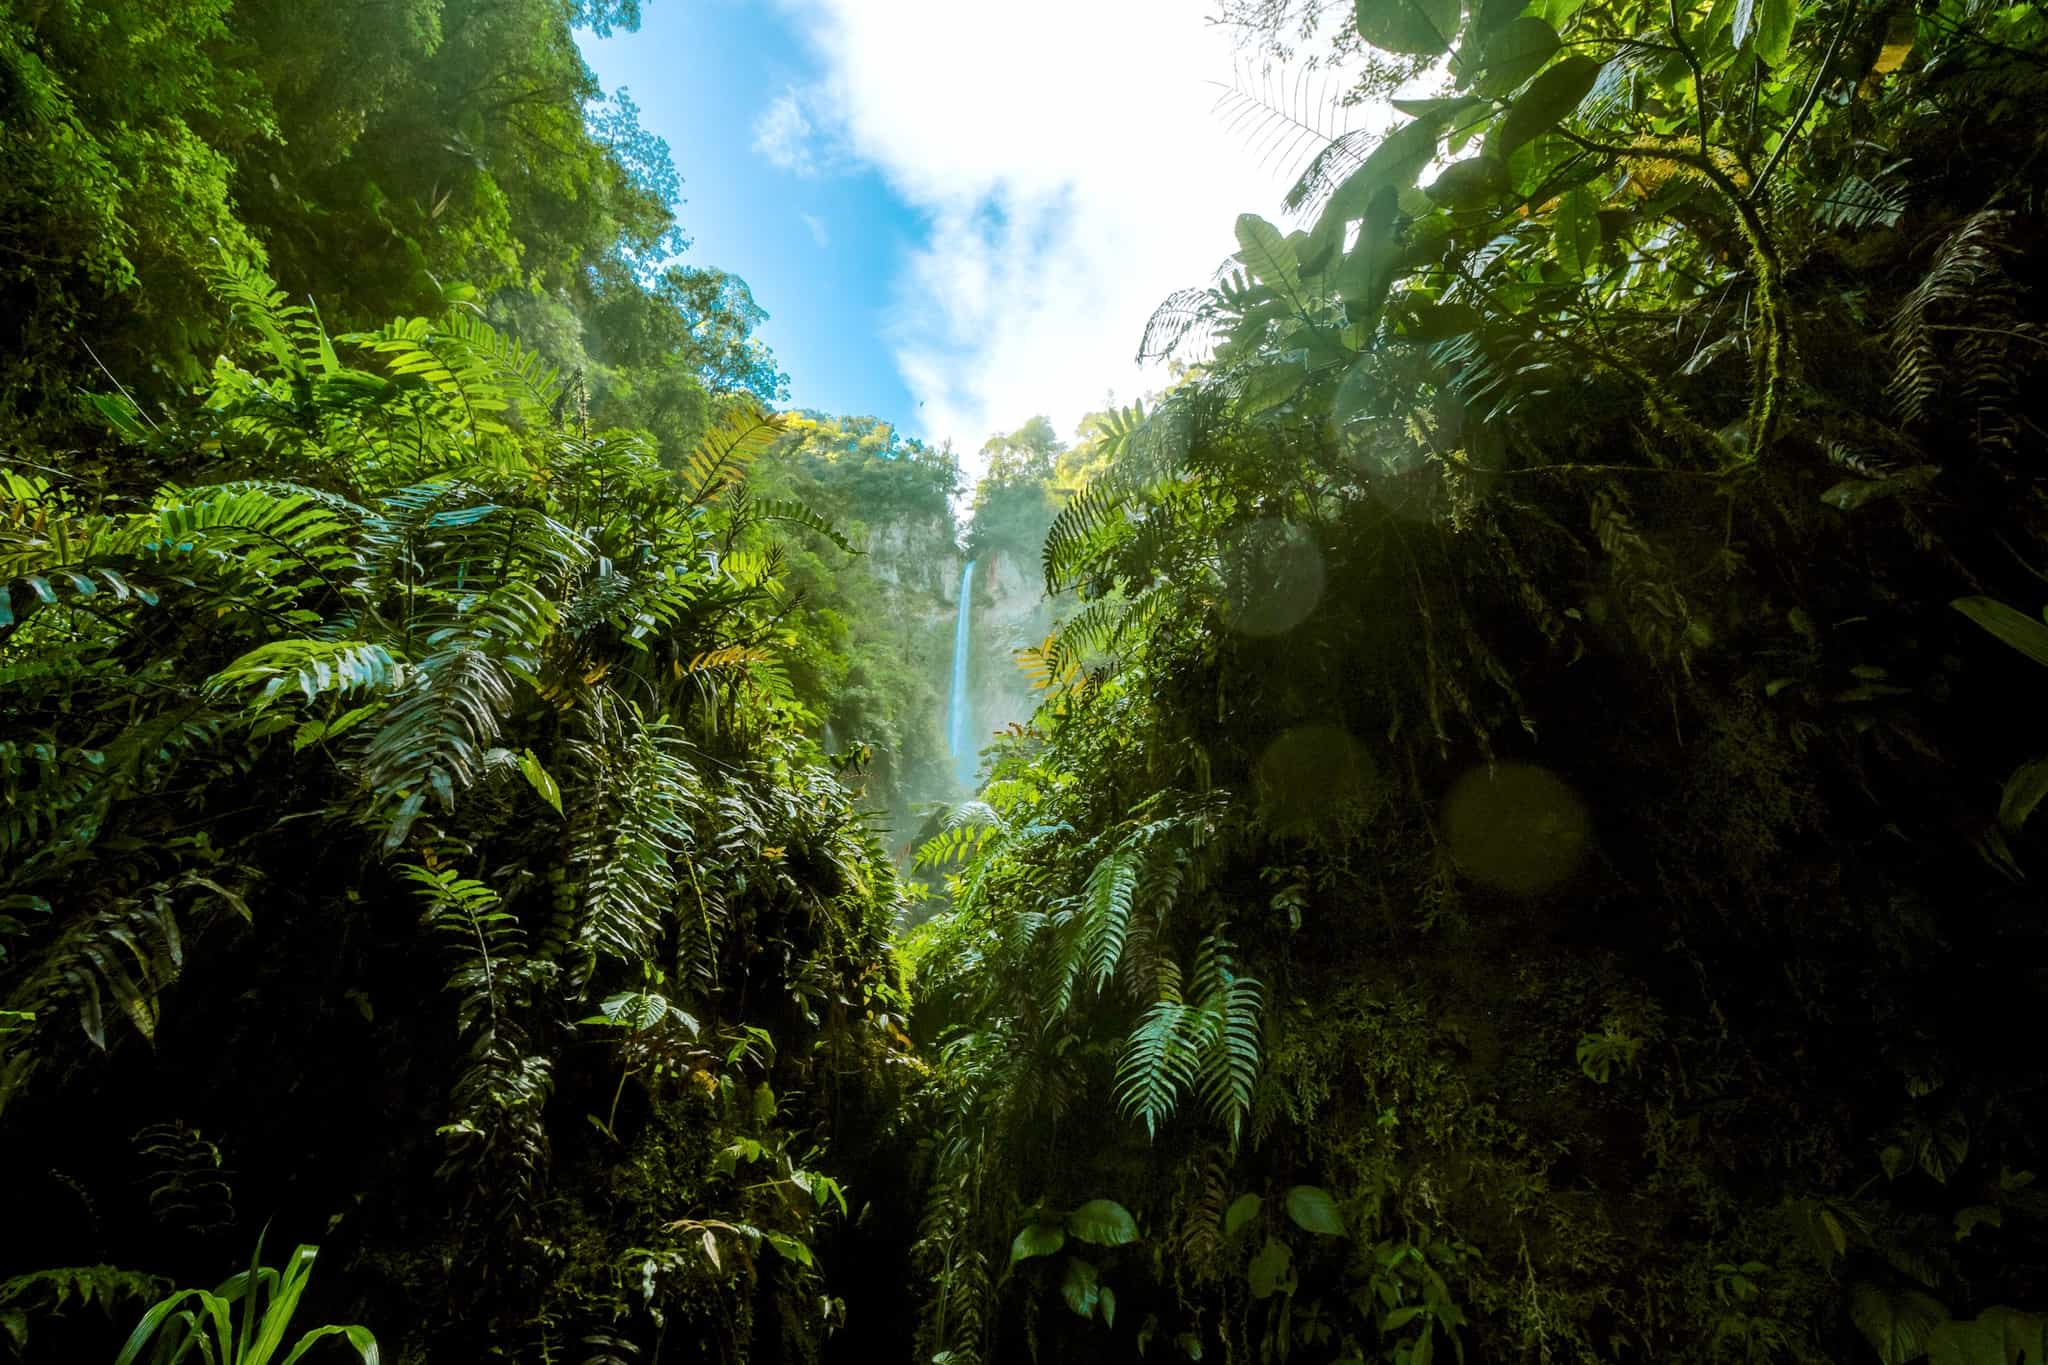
(956, 717)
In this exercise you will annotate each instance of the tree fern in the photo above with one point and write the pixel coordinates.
(1969, 272)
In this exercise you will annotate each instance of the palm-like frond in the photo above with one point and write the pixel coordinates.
(433, 739)
(1210, 1045)
(739, 437)
(1070, 541)
(312, 668)
(643, 792)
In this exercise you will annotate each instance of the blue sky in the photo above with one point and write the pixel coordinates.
(958, 214)
(819, 251)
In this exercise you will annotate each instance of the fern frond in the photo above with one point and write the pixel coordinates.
(1278, 123)
(644, 791)
(728, 659)
(1107, 897)
(1072, 536)
(1968, 271)
(461, 388)
(959, 844)
(101, 1286)
(1856, 204)
(791, 510)
(1187, 317)
(433, 738)
(740, 436)
(518, 367)
(255, 301)
(1330, 167)
(1159, 1062)
(1230, 1006)
(312, 668)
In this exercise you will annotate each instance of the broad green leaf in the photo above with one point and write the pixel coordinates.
(538, 778)
(1267, 254)
(1313, 1210)
(1966, 1343)
(1850, 494)
(1037, 1239)
(1104, 1222)
(1968, 1220)
(2024, 790)
(118, 412)
(1557, 11)
(1514, 54)
(1269, 1269)
(1535, 167)
(1107, 1302)
(1897, 1322)
(358, 1337)
(1242, 1210)
(1448, 107)
(1268, 386)
(1575, 231)
(1548, 99)
(1422, 28)
(1490, 16)
(1943, 1147)
(1469, 183)
(1392, 165)
(790, 1248)
(1082, 1287)
(1774, 30)
(2022, 632)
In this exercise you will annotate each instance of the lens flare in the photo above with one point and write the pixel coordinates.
(1516, 827)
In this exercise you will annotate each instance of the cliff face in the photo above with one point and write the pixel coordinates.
(915, 562)
(919, 558)
(1011, 612)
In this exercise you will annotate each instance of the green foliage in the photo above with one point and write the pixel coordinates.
(52, 1291)
(414, 640)
(1513, 615)
(234, 1325)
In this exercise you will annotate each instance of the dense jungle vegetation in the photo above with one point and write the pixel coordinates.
(1528, 849)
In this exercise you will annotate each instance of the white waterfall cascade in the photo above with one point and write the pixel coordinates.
(956, 717)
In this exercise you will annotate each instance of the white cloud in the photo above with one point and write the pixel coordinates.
(1073, 171)
(821, 232)
(784, 134)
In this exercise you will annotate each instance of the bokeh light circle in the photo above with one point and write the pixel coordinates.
(1516, 827)
(1273, 577)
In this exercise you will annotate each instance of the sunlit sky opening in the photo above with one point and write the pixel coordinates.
(956, 215)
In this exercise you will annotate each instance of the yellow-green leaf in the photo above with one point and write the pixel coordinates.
(1421, 28)
(539, 779)
(1575, 231)
(1548, 99)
